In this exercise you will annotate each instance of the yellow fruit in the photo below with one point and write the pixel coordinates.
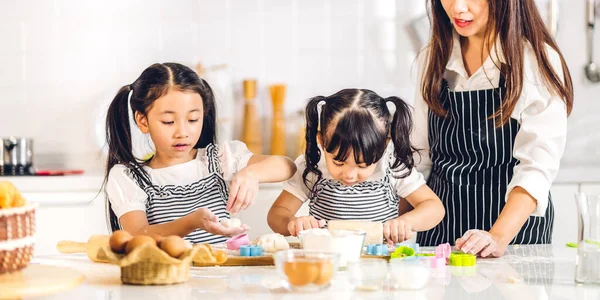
(18, 201)
(10, 196)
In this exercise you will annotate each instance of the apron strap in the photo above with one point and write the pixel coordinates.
(212, 157)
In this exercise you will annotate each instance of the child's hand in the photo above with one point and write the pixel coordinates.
(397, 230)
(298, 224)
(210, 222)
(480, 242)
(243, 191)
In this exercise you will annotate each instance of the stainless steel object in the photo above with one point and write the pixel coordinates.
(591, 69)
(17, 156)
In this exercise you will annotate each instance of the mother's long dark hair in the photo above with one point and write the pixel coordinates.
(513, 22)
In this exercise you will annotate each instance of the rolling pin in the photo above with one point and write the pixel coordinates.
(90, 248)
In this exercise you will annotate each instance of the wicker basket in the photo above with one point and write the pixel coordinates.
(17, 230)
(149, 265)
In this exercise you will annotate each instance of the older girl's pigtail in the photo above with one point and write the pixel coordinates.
(312, 153)
(400, 132)
(118, 130)
(118, 138)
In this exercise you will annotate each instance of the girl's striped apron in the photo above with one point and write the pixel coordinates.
(472, 166)
(170, 202)
(367, 200)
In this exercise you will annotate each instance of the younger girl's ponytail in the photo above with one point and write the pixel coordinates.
(400, 132)
(312, 154)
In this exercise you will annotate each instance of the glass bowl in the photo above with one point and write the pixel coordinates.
(411, 273)
(306, 270)
(368, 274)
(348, 243)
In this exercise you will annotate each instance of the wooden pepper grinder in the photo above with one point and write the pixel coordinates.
(251, 131)
(278, 122)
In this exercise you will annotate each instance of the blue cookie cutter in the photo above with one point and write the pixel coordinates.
(377, 249)
(251, 250)
(414, 246)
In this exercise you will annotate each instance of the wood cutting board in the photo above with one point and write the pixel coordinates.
(266, 260)
(38, 280)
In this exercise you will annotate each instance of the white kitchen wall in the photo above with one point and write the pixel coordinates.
(63, 60)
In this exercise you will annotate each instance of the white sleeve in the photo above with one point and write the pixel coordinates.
(419, 135)
(540, 142)
(234, 156)
(407, 185)
(123, 192)
(295, 185)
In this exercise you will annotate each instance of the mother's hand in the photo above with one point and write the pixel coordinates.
(482, 243)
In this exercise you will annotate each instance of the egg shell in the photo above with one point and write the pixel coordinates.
(118, 241)
(158, 238)
(138, 241)
(173, 245)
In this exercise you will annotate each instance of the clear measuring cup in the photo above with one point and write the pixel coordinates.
(588, 252)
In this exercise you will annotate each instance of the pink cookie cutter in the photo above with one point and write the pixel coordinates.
(443, 251)
(235, 242)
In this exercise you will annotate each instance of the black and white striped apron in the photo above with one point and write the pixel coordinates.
(472, 166)
(368, 200)
(167, 203)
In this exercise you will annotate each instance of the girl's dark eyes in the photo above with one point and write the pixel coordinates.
(194, 121)
(363, 166)
(167, 123)
(338, 163)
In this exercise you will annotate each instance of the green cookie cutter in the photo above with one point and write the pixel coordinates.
(402, 251)
(588, 241)
(459, 259)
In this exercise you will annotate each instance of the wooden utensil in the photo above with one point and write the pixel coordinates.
(251, 134)
(278, 121)
(90, 248)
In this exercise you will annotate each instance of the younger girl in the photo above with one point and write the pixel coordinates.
(184, 188)
(491, 109)
(362, 175)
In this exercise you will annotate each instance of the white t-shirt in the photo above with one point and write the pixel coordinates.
(125, 195)
(402, 186)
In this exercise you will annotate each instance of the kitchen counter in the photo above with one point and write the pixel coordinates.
(525, 272)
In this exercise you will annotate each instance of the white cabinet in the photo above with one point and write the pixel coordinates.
(75, 221)
(590, 188)
(565, 213)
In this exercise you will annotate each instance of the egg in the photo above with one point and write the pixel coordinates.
(325, 274)
(158, 238)
(301, 273)
(173, 245)
(118, 240)
(138, 241)
(220, 256)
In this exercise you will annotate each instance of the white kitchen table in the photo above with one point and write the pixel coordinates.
(525, 272)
